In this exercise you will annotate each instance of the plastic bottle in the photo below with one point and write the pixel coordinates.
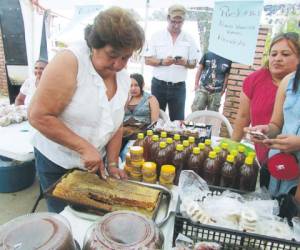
(176, 139)
(147, 144)
(170, 149)
(228, 173)
(240, 158)
(255, 166)
(208, 147)
(163, 136)
(194, 162)
(178, 161)
(140, 140)
(217, 149)
(247, 174)
(211, 171)
(224, 152)
(154, 148)
(202, 153)
(186, 151)
(161, 158)
(191, 140)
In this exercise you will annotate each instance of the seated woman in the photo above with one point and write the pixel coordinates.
(141, 106)
(284, 130)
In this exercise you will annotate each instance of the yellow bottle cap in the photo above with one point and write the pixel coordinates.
(212, 154)
(217, 149)
(191, 139)
(140, 136)
(149, 132)
(252, 154)
(224, 145)
(163, 134)
(196, 150)
(185, 143)
(249, 160)
(155, 138)
(179, 147)
(169, 140)
(177, 137)
(136, 150)
(148, 165)
(230, 158)
(234, 152)
(207, 142)
(162, 144)
(241, 149)
(168, 169)
(201, 146)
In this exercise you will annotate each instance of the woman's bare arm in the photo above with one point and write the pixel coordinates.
(154, 107)
(242, 119)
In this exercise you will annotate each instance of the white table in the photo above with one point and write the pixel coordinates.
(15, 141)
(80, 224)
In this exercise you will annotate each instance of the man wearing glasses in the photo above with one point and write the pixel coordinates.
(171, 52)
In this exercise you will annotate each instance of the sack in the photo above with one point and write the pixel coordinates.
(283, 166)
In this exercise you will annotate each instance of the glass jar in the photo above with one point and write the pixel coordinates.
(136, 176)
(149, 172)
(123, 230)
(167, 175)
(37, 231)
(136, 166)
(136, 153)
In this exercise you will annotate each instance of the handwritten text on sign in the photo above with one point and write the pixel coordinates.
(234, 29)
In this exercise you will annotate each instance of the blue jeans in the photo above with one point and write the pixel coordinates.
(49, 173)
(173, 95)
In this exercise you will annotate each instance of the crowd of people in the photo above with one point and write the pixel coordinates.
(79, 113)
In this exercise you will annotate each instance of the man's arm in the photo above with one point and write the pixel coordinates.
(225, 83)
(198, 75)
(153, 61)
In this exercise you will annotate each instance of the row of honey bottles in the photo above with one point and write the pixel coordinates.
(214, 166)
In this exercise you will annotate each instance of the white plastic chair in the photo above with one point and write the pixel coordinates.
(163, 115)
(212, 118)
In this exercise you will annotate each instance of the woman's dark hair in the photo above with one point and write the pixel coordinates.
(139, 79)
(116, 27)
(296, 79)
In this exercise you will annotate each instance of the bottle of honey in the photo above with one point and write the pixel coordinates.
(147, 144)
(163, 136)
(195, 162)
(208, 147)
(170, 149)
(178, 161)
(154, 148)
(211, 170)
(140, 140)
(247, 174)
(161, 158)
(228, 173)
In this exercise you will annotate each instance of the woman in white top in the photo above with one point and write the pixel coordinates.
(78, 108)
(29, 86)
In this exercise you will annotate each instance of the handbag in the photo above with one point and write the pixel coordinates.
(283, 166)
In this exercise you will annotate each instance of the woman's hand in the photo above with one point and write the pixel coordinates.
(92, 160)
(263, 129)
(117, 173)
(285, 143)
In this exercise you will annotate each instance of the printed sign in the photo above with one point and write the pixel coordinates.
(234, 29)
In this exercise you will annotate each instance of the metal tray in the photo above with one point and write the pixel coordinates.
(165, 195)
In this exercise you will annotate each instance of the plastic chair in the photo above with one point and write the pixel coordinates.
(212, 118)
(163, 115)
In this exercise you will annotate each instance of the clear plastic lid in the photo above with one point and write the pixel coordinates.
(37, 231)
(123, 230)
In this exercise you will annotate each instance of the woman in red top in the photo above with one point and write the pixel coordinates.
(259, 88)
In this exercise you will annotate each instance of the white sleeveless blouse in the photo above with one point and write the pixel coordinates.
(89, 114)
